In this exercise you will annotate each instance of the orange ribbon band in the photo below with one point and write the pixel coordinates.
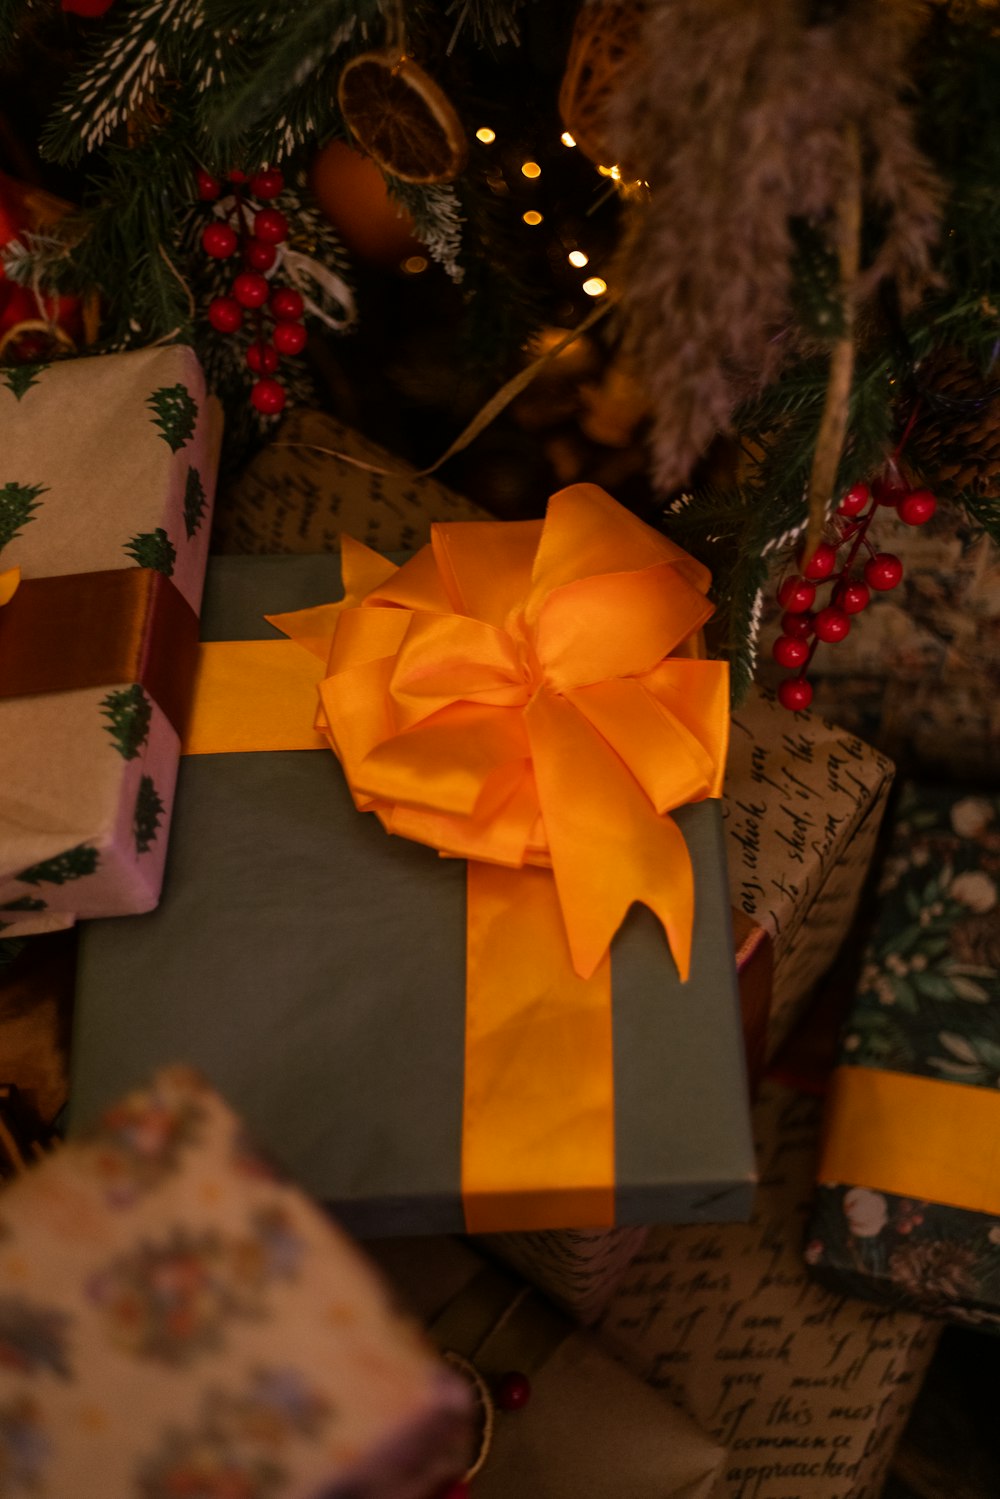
(522, 695)
(913, 1136)
(99, 629)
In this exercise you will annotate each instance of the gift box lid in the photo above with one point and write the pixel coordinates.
(314, 969)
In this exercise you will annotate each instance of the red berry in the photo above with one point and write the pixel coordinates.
(250, 289)
(790, 653)
(258, 256)
(289, 338)
(209, 187)
(267, 183)
(225, 315)
(795, 694)
(890, 490)
(237, 176)
(852, 597)
(262, 359)
(798, 626)
(286, 303)
(854, 500)
(883, 572)
(89, 8)
(219, 240)
(513, 1392)
(268, 396)
(822, 562)
(458, 1490)
(271, 226)
(832, 624)
(917, 507)
(797, 595)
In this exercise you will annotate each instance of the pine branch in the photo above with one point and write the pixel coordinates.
(437, 220)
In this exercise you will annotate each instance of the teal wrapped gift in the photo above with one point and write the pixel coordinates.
(909, 1207)
(314, 969)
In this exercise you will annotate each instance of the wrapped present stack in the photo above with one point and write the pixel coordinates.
(106, 482)
(908, 1211)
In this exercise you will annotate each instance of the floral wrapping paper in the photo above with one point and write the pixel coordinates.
(106, 463)
(928, 1004)
(176, 1321)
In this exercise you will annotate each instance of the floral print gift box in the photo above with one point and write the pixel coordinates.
(909, 1207)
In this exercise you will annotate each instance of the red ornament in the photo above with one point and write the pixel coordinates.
(790, 653)
(258, 256)
(797, 595)
(832, 624)
(219, 240)
(262, 358)
(852, 597)
(267, 183)
(209, 187)
(268, 397)
(795, 694)
(225, 314)
(883, 572)
(513, 1392)
(250, 289)
(821, 563)
(289, 338)
(798, 626)
(854, 500)
(271, 226)
(917, 507)
(286, 303)
(88, 8)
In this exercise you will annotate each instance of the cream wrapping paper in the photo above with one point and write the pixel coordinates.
(807, 1391)
(802, 803)
(106, 463)
(175, 1321)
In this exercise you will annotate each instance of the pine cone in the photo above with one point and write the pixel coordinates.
(955, 442)
(935, 1274)
(976, 940)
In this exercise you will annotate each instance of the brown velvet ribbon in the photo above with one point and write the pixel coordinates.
(100, 629)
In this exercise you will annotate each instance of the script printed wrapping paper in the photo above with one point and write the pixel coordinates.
(808, 1391)
(802, 802)
(174, 1321)
(107, 463)
(910, 1210)
(297, 495)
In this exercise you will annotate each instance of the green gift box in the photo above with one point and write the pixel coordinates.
(314, 969)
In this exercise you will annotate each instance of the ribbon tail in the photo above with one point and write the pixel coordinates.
(538, 1129)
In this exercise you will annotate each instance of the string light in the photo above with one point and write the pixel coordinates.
(567, 139)
(578, 258)
(414, 264)
(532, 216)
(486, 135)
(595, 287)
(530, 169)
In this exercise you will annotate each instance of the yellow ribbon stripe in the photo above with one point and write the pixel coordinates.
(915, 1137)
(254, 695)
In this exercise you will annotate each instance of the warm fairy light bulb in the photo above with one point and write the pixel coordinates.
(595, 287)
(567, 139)
(605, 171)
(578, 258)
(530, 169)
(616, 174)
(532, 216)
(486, 135)
(414, 264)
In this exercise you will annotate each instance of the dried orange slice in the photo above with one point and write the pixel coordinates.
(400, 116)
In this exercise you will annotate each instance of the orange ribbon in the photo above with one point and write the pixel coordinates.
(513, 696)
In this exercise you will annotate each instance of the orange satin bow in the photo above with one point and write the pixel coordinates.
(514, 696)
(510, 697)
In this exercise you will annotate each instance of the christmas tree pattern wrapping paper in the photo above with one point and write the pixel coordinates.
(802, 806)
(108, 465)
(176, 1320)
(915, 1095)
(589, 1427)
(807, 1390)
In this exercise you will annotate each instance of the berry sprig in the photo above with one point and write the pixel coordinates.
(834, 564)
(255, 233)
